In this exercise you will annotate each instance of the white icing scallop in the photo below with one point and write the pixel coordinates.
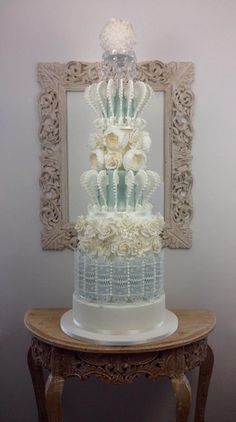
(141, 181)
(115, 183)
(129, 96)
(130, 183)
(102, 182)
(92, 99)
(110, 96)
(89, 182)
(101, 94)
(153, 182)
(121, 92)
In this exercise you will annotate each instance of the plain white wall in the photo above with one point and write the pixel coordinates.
(201, 31)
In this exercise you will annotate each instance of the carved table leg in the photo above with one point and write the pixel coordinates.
(36, 372)
(53, 393)
(203, 385)
(182, 391)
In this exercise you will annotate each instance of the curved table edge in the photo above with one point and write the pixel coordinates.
(87, 347)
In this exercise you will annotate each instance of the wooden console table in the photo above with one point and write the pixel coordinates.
(173, 356)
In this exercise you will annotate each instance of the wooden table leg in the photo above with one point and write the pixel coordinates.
(182, 391)
(36, 372)
(203, 385)
(53, 394)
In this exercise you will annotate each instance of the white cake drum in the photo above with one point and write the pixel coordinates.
(119, 324)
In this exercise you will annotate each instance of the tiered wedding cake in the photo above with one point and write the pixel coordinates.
(119, 296)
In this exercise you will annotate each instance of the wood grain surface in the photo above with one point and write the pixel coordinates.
(44, 323)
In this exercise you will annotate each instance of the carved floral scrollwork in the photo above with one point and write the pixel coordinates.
(82, 73)
(49, 132)
(41, 353)
(194, 356)
(118, 368)
(173, 78)
(154, 72)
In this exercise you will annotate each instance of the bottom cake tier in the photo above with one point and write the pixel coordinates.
(117, 318)
(119, 301)
(119, 325)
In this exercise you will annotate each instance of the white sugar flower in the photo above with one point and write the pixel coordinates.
(140, 246)
(156, 245)
(121, 247)
(151, 227)
(113, 160)
(118, 35)
(96, 140)
(96, 159)
(134, 159)
(146, 141)
(80, 225)
(90, 231)
(106, 230)
(140, 140)
(135, 139)
(115, 139)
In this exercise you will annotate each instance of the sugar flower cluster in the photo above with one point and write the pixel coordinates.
(117, 35)
(126, 236)
(117, 148)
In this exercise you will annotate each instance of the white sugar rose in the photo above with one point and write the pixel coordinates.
(150, 228)
(113, 160)
(121, 248)
(135, 139)
(106, 230)
(153, 228)
(90, 231)
(128, 227)
(134, 160)
(156, 245)
(140, 246)
(80, 225)
(96, 140)
(115, 139)
(140, 140)
(96, 159)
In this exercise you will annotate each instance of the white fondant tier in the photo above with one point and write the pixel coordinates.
(167, 327)
(118, 319)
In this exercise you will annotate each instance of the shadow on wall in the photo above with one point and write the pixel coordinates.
(141, 401)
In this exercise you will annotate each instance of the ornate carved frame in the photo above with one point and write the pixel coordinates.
(56, 79)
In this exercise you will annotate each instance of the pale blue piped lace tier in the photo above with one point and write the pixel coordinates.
(121, 280)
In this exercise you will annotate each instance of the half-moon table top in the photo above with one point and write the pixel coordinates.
(44, 323)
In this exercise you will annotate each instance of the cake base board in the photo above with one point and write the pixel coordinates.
(166, 328)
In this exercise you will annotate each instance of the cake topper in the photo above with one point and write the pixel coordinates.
(119, 293)
(118, 40)
(117, 35)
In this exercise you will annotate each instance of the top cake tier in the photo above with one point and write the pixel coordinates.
(118, 102)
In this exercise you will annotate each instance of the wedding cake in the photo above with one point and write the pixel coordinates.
(119, 296)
